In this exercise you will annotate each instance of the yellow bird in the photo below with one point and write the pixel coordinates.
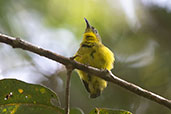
(92, 52)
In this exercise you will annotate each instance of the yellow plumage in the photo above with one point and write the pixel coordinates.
(92, 52)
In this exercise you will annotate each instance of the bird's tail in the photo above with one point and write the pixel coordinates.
(95, 86)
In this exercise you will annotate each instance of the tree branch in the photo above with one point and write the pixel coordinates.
(108, 76)
(67, 93)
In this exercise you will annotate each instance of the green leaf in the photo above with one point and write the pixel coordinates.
(76, 111)
(17, 97)
(108, 111)
(29, 109)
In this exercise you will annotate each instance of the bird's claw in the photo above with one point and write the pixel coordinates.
(73, 57)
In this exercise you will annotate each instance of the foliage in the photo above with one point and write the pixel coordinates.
(18, 97)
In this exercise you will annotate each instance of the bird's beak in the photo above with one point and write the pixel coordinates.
(88, 25)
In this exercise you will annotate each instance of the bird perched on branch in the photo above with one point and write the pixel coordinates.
(92, 52)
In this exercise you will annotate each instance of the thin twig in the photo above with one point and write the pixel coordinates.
(67, 92)
(108, 76)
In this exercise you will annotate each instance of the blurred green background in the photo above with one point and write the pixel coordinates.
(138, 32)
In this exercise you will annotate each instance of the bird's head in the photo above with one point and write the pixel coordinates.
(91, 34)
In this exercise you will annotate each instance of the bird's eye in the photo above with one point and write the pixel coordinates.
(95, 31)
